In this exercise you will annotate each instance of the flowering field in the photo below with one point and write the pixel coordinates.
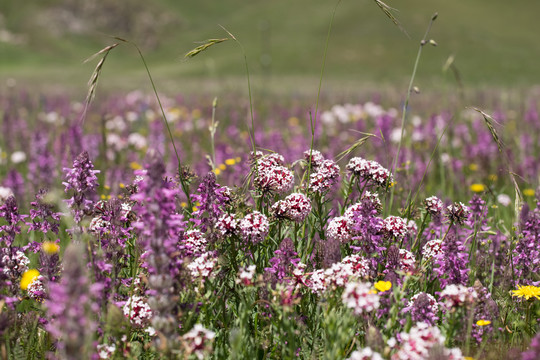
(340, 237)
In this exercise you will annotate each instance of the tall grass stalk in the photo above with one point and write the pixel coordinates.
(423, 42)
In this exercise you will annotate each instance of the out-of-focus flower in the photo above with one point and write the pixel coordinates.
(28, 277)
(18, 157)
(105, 351)
(246, 275)
(527, 292)
(503, 199)
(423, 308)
(383, 285)
(203, 266)
(198, 341)
(458, 295)
(360, 297)
(365, 354)
(478, 188)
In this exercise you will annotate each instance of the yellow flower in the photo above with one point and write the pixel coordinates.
(383, 285)
(222, 166)
(122, 185)
(493, 177)
(528, 192)
(217, 171)
(183, 204)
(468, 358)
(473, 167)
(135, 165)
(293, 121)
(28, 277)
(483, 322)
(527, 292)
(50, 248)
(230, 162)
(238, 159)
(478, 188)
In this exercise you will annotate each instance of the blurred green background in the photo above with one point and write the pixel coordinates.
(495, 42)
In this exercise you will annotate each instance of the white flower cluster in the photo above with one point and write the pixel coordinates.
(433, 205)
(198, 341)
(203, 266)
(395, 227)
(17, 266)
(407, 260)
(360, 297)
(365, 354)
(458, 295)
(36, 289)
(416, 344)
(105, 351)
(254, 227)
(272, 176)
(246, 275)
(339, 229)
(370, 170)
(227, 225)
(5, 193)
(337, 275)
(195, 241)
(98, 225)
(137, 310)
(432, 249)
(295, 207)
(457, 212)
(316, 157)
(326, 175)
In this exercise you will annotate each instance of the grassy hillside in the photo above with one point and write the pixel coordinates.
(494, 41)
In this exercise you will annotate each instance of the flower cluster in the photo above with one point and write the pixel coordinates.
(395, 227)
(365, 354)
(198, 341)
(254, 227)
(433, 205)
(339, 229)
(227, 225)
(432, 249)
(203, 266)
(457, 212)
(360, 297)
(295, 207)
(419, 343)
(423, 308)
(246, 275)
(458, 295)
(370, 171)
(138, 311)
(194, 241)
(272, 176)
(326, 175)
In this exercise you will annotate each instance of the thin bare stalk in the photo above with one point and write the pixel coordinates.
(406, 104)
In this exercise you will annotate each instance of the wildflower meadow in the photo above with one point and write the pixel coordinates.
(154, 226)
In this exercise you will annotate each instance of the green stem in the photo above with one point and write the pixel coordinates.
(406, 104)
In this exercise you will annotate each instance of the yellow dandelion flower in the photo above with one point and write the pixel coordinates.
(135, 165)
(120, 197)
(50, 248)
(383, 285)
(217, 171)
(527, 292)
(478, 188)
(528, 192)
(468, 358)
(28, 277)
(194, 209)
(493, 177)
(230, 162)
(183, 204)
(483, 322)
(103, 197)
(473, 167)
(121, 185)
(222, 166)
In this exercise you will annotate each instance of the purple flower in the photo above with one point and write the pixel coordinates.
(452, 262)
(10, 212)
(43, 217)
(82, 180)
(70, 305)
(533, 353)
